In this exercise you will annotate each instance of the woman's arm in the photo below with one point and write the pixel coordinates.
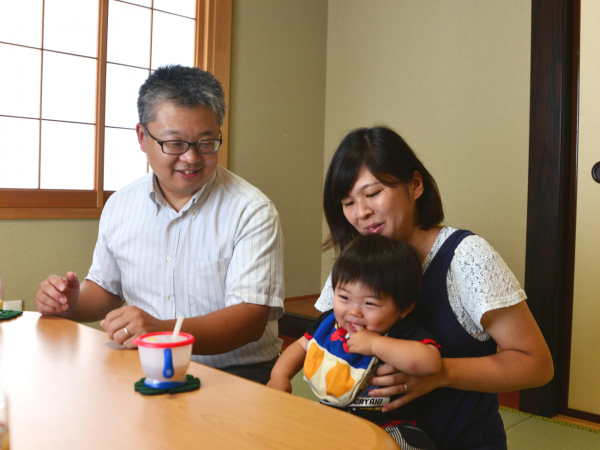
(524, 362)
(411, 357)
(288, 365)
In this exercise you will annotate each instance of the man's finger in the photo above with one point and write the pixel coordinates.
(72, 280)
(114, 314)
(120, 336)
(129, 343)
(108, 322)
(50, 296)
(59, 283)
(115, 321)
(72, 276)
(47, 305)
(46, 309)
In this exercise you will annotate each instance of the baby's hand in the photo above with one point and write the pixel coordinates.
(281, 384)
(362, 342)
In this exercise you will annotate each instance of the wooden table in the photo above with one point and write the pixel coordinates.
(70, 387)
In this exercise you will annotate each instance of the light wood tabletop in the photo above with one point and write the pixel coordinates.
(71, 387)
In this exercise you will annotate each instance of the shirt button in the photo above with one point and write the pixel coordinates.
(168, 297)
(168, 258)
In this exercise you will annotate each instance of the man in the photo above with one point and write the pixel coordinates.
(189, 239)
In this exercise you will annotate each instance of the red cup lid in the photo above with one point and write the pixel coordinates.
(160, 339)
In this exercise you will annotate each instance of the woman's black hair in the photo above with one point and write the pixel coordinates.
(389, 158)
(388, 267)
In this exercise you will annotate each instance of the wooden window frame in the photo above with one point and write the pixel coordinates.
(212, 52)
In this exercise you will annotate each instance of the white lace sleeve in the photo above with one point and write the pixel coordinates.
(481, 281)
(325, 301)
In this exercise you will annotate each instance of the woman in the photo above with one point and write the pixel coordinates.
(471, 300)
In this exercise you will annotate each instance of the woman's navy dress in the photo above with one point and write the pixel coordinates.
(456, 419)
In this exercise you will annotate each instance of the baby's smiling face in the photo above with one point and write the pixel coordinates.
(357, 307)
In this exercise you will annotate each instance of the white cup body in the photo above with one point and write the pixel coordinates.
(165, 367)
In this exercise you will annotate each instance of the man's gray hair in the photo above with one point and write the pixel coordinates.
(183, 86)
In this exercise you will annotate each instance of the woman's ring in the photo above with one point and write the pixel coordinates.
(129, 335)
(405, 388)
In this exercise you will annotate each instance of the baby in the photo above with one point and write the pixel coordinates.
(377, 282)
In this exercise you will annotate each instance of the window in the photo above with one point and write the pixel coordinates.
(72, 70)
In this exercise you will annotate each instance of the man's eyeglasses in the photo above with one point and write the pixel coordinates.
(204, 147)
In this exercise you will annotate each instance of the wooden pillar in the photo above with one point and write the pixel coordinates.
(550, 140)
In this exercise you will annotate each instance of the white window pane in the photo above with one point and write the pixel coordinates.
(128, 34)
(71, 26)
(182, 7)
(19, 153)
(67, 156)
(147, 3)
(124, 162)
(21, 22)
(20, 81)
(69, 88)
(172, 40)
(122, 86)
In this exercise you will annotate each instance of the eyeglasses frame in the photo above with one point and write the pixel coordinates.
(195, 144)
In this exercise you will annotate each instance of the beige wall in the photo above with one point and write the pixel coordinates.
(453, 79)
(30, 250)
(584, 386)
(277, 120)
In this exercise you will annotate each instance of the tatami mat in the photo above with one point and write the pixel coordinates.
(523, 431)
(511, 419)
(526, 432)
(301, 388)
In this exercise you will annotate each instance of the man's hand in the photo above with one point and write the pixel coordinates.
(56, 295)
(280, 383)
(363, 342)
(124, 324)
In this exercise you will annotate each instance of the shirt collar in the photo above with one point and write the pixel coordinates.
(191, 206)
(199, 197)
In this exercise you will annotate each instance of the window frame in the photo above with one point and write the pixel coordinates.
(212, 52)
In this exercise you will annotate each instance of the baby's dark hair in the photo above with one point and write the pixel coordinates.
(388, 267)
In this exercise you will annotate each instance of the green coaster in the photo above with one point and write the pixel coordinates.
(7, 315)
(192, 385)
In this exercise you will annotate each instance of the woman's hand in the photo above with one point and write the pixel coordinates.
(393, 383)
(524, 362)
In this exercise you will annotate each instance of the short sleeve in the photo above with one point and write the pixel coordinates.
(312, 329)
(255, 272)
(411, 330)
(480, 280)
(105, 271)
(325, 300)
